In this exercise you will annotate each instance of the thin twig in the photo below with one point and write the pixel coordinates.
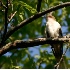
(1, 4)
(39, 66)
(9, 19)
(34, 17)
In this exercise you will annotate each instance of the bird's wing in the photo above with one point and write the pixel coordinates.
(60, 32)
(47, 32)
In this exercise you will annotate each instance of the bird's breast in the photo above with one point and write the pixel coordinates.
(53, 29)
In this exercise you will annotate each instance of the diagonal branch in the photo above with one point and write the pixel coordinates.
(25, 44)
(34, 17)
(1, 4)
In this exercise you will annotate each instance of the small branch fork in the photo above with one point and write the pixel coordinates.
(7, 20)
(11, 16)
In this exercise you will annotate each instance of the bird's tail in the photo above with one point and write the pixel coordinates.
(58, 51)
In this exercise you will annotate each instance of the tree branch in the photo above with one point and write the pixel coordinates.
(6, 24)
(1, 4)
(34, 17)
(11, 16)
(24, 44)
(39, 5)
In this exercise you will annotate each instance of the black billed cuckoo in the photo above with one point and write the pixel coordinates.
(53, 30)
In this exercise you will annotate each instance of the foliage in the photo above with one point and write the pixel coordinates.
(39, 56)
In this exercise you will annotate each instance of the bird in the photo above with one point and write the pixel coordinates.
(53, 30)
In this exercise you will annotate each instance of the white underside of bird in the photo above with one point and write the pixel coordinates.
(53, 27)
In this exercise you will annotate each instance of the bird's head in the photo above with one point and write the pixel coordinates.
(49, 15)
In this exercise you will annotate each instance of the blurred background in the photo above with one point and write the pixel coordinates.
(37, 56)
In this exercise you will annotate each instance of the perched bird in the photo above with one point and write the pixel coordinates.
(53, 30)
